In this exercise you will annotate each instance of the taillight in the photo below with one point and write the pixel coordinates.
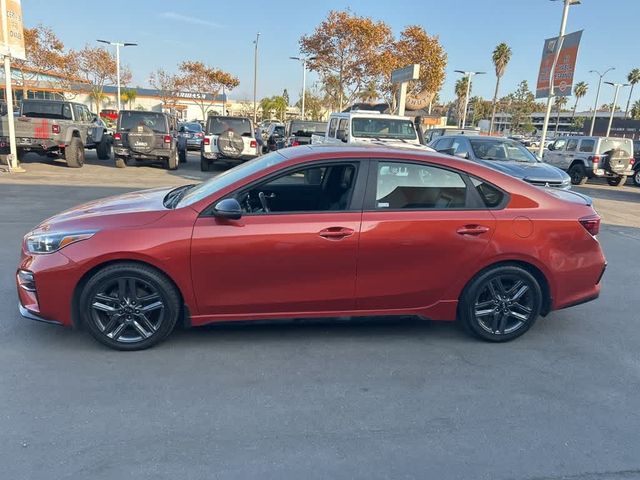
(591, 224)
(207, 141)
(632, 161)
(199, 134)
(117, 136)
(295, 143)
(595, 159)
(253, 144)
(167, 139)
(55, 128)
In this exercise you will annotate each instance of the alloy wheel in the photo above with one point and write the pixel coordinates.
(504, 304)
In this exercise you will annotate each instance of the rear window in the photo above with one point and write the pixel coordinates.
(53, 110)
(193, 127)
(153, 120)
(607, 144)
(240, 126)
(306, 129)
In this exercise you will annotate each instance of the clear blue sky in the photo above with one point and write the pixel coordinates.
(221, 34)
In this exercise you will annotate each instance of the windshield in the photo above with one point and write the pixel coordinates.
(240, 126)
(306, 129)
(607, 144)
(154, 121)
(501, 150)
(383, 128)
(228, 177)
(192, 127)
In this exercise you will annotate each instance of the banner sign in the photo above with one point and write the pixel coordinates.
(11, 29)
(563, 74)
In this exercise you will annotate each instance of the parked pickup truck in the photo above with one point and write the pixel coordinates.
(57, 129)
(369, 127)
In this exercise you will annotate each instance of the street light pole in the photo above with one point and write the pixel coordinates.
(255, 78)
(615, 99)
(117, 45)
(468, 76)
(552, 73)
(595, 106)
(304, 78)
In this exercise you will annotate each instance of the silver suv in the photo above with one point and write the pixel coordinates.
(589, 157)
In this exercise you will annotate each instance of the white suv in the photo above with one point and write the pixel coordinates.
(227, 138)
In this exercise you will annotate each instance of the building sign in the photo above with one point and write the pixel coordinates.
(410, 72)
(563, 74)
(11, 30)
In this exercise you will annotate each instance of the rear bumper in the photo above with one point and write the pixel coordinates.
(152, 155)
(218, 156)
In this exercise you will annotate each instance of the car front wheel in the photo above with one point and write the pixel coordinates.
(617, 181)
(636, 177)
(501, 303)
(129, 306)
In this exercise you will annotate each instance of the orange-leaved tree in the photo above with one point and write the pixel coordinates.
(97, 67)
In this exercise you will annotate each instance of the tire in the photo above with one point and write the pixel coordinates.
(121, 162)
(182, 156)
(74, 153)
(109, 306)
(103, 150)
(204, 164)
(636, 177)
(171, 163)
(617, 181)
(495, 294)
(578, 174)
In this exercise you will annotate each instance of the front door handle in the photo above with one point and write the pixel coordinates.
(335, 233)
(472, 230)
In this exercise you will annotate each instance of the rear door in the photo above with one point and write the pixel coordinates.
(424, 229)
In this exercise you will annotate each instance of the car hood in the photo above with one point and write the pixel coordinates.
(530, 172)
(127, 210)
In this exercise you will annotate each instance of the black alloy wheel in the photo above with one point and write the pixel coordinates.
(501, 304)
(129, 306)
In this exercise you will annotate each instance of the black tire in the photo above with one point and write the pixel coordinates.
(74, 153)
(121, 162)
(171, 163)
(636, 177)
(109, 306)
(204, 164)
(103, 149)
(578, 174)
(617, 181)
(487, 307)
(182, 155)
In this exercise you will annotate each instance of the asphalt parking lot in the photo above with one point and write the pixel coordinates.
(383, 398)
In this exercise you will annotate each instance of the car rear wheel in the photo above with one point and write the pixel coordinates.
(182, 155)
(204, 164)
(501, 303)
(636, 177)
(129, 306)
(121, 162)
(171, 163)
(74, 153)
(578, 174)
(617, 181)
(103, 150)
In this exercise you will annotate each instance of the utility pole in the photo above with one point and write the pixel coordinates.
(468, 76)
(304, 78)
(552, 73)
(615, 99)
(595, 106)
(117, 45)
(255, 79)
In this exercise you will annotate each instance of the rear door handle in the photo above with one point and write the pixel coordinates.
(335, 233)
(472, 230)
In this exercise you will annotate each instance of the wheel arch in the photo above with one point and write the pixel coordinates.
(75, 299)
(578, 161)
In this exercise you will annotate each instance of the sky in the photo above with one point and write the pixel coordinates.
(221, 34)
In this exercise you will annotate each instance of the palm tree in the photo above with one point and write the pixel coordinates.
(501, 56)
(461, 92)
(632, 78)
(561, 102)
(128, 96)
(635, 110)
(580, 90)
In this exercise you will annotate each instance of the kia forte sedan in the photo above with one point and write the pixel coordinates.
(316, 232)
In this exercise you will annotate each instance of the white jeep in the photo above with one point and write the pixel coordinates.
(227, 138)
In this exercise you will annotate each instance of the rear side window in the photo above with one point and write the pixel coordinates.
(412, 186)
(332, 127)
(153, 120)
(587, 145)
(491, 196)
(239, 126)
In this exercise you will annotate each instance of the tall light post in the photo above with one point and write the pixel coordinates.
(552, 73)
(595, 106)
(118, 45)
(304, 77)
(468, 76)
(615, 99)
(255, 78)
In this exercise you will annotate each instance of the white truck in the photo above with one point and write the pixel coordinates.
(367, 127)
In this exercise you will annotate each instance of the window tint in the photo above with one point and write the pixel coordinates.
(332, 127)
(444, 143)
(239, 126)
(344, 126)
(153, 120)
(572, 144)
(459, 146)
(559, 144)
(407, 185)
(587, 145)
(87, 113)
(383, 128)
(491, 196)
(496, 149)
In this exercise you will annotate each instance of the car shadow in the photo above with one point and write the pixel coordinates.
(606, 192)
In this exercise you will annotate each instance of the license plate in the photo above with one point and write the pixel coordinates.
(25, 140)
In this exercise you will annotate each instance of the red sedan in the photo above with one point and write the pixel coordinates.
(316, 232)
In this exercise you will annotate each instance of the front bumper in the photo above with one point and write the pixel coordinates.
(32, 316)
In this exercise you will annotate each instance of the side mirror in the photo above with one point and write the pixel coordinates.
(341, 135)
(94, 119)
(228, 208)
(551, 147)
(447, 151)
(464, 155)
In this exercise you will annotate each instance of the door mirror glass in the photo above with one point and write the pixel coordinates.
(464, 155)
(551, 147)
(228, 208)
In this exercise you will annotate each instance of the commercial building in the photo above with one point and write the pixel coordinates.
(565, 124)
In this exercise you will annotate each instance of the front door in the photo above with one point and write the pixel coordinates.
(293, 251)
(423, 229)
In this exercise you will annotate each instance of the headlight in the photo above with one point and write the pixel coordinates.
(50, 242)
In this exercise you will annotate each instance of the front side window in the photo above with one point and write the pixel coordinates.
(413, 186)
(332, 127)
(559, 144)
